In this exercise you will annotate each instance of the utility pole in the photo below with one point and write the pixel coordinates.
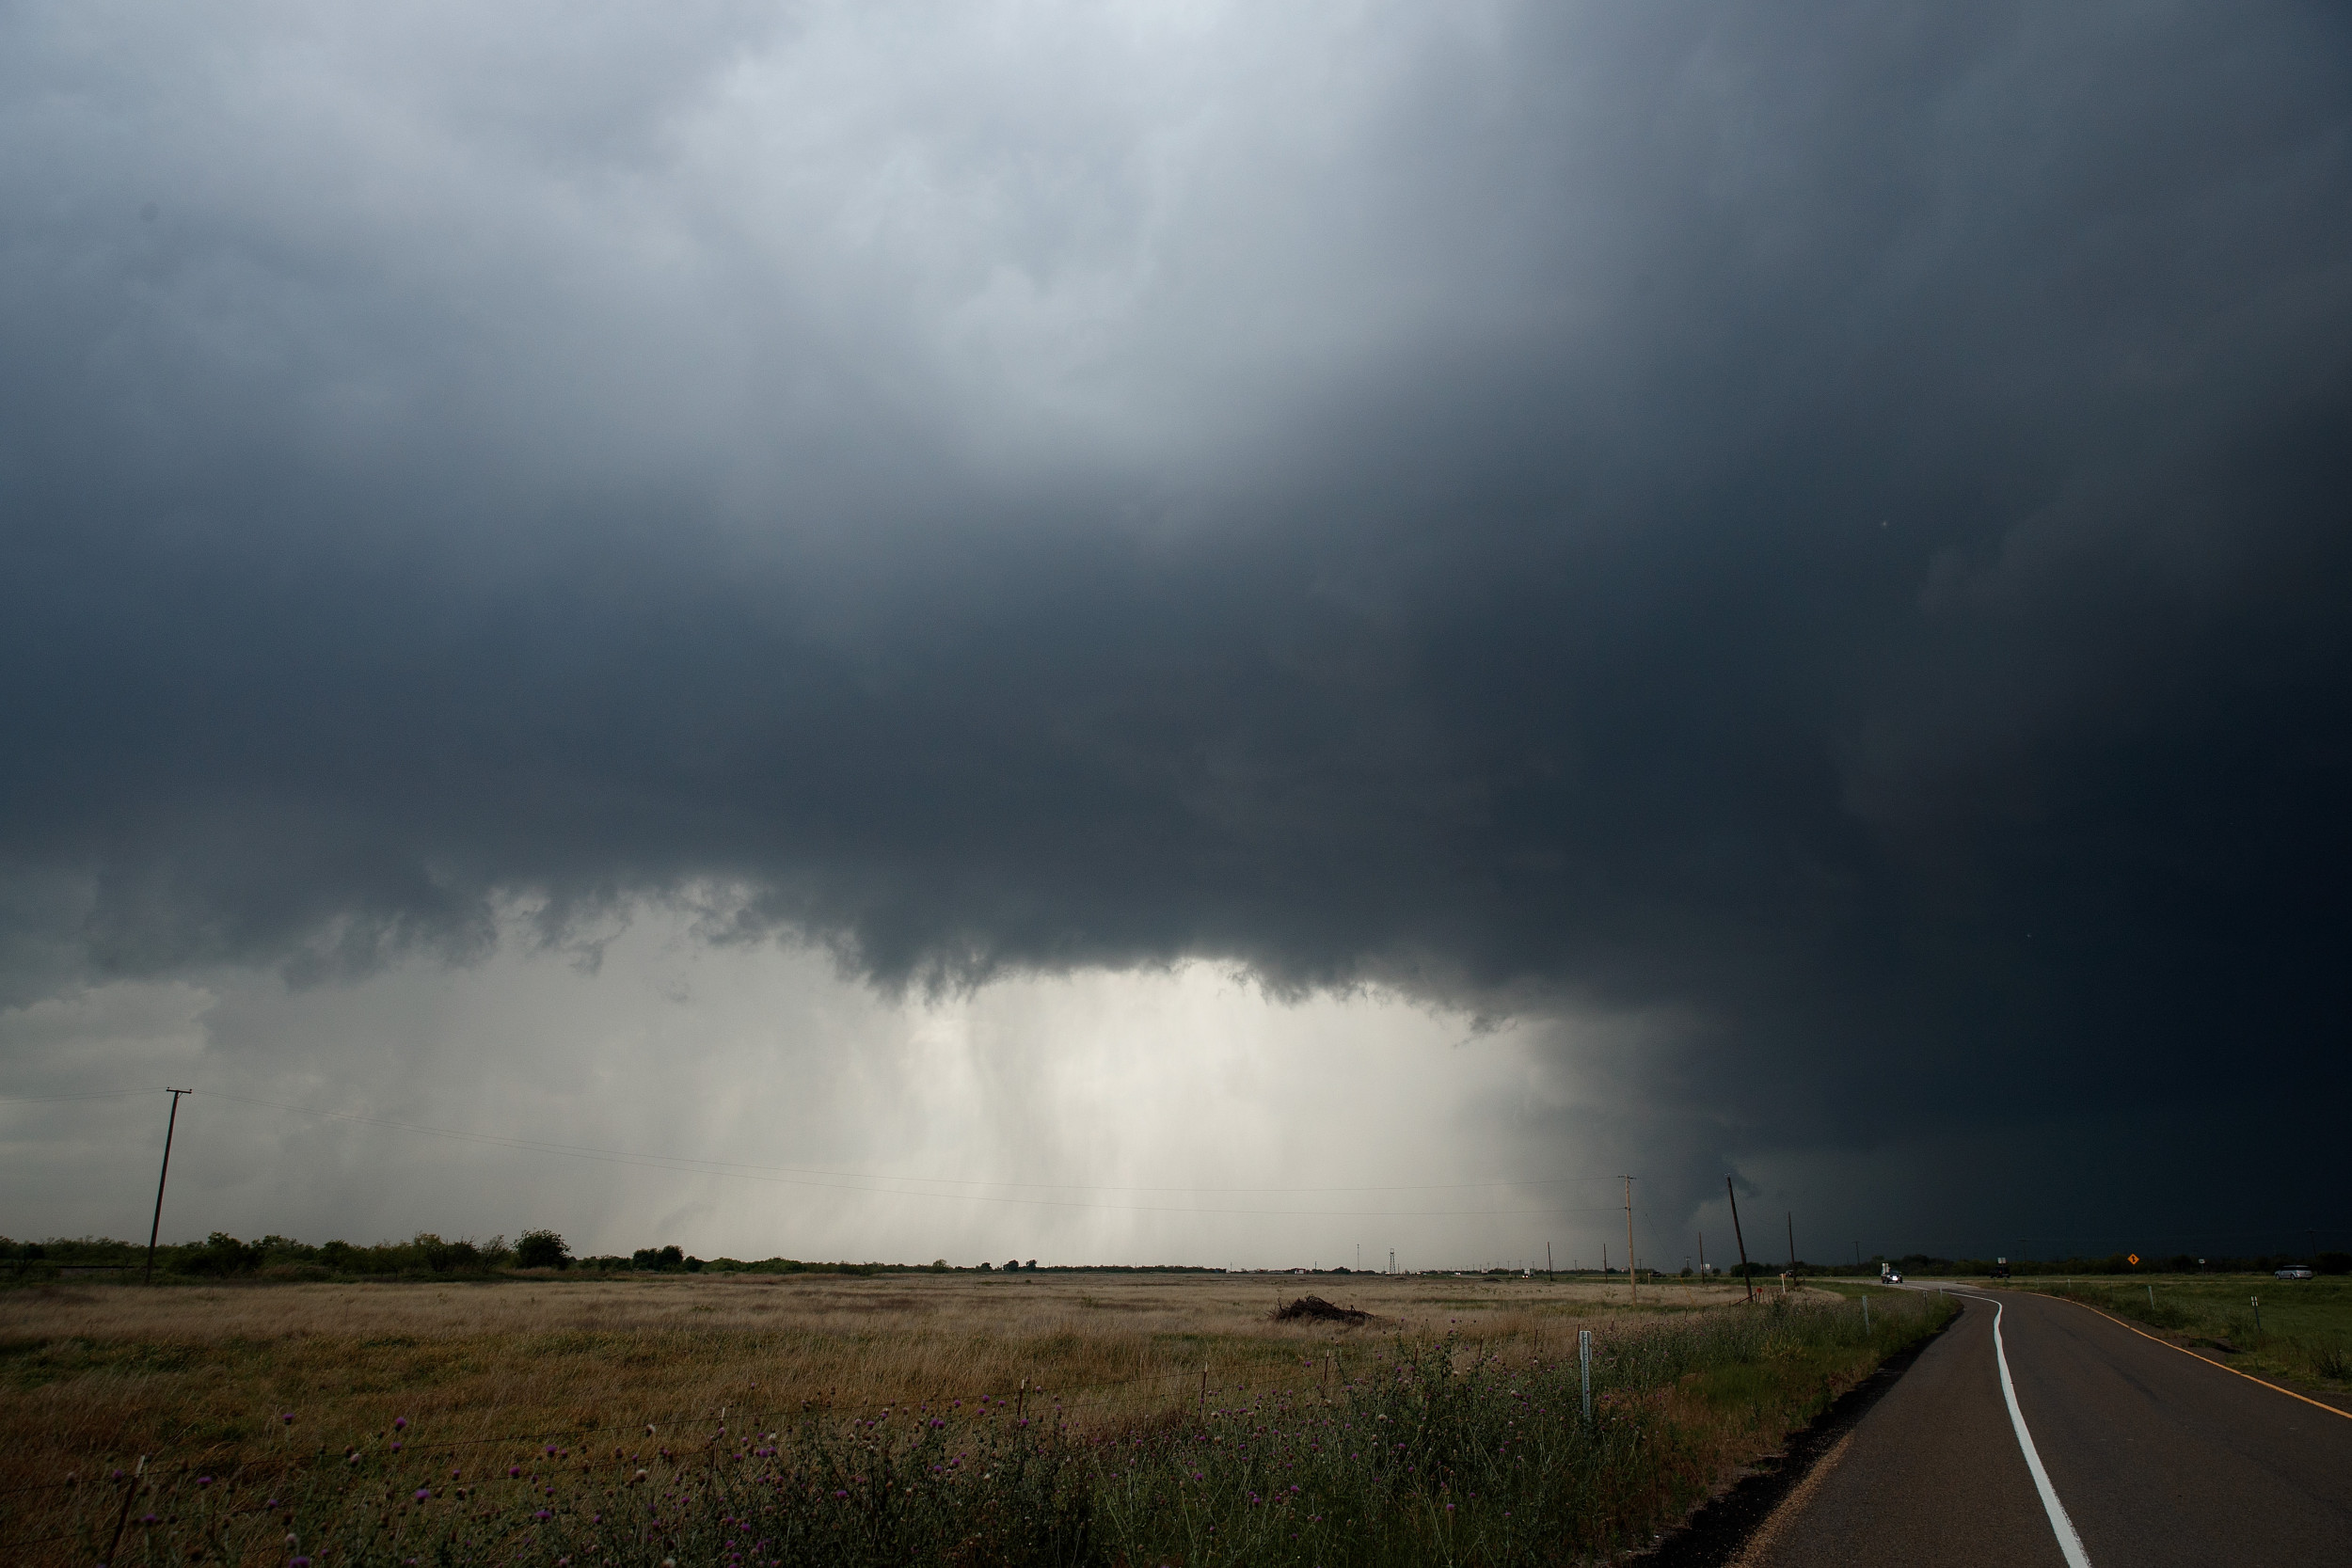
(153, 1229)
(1547, 1261)
(1793, 1241)
(1741, 1237)
(1633, 1272)
(1702, 1256)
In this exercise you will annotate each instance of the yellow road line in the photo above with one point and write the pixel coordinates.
(2167, 1344)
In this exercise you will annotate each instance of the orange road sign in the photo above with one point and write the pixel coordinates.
(2133, 1259)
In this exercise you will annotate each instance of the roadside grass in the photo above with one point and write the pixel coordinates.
(2306, 1328)
(1006, 1426)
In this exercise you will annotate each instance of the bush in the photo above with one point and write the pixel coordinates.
(542, 1249)
(221, 1256)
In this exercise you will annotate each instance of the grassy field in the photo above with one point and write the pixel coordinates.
(824, 1418)
(2306, 1325)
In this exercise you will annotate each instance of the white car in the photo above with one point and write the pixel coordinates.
(2295, 1271)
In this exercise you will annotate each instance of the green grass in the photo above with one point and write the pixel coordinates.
(2306, 1328)
(1434, 1452)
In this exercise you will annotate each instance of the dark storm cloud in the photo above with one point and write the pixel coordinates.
(1822, 528)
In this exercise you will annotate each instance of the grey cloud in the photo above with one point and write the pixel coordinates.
(1825, 527)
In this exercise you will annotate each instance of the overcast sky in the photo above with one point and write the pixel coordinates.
(1193, 632)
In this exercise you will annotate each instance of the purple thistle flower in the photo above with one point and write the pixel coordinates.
(424, 1494)
(399, 1422)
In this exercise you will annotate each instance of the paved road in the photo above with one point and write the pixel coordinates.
(2153, 1457)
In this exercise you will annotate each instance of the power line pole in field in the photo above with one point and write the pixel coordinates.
(1740, 1237)
(153, 1229)
(1632, 1272)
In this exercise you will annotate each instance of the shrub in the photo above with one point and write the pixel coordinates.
(542, 1249)
(222, 1255)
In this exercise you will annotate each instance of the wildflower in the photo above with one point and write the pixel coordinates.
(287, 1416)
(400, 1423)
(204, 1481)
(514, 1470)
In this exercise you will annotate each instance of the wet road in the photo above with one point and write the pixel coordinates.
(2150, 1457)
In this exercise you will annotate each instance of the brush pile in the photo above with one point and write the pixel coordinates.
(1319, 1310)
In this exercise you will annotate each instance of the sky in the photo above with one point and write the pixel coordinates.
(1190, 633)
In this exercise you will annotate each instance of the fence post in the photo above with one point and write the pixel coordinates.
(1584, 1358)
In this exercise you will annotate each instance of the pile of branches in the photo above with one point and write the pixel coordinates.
(1320, 1310)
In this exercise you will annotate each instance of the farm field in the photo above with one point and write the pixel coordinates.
(358, 1410)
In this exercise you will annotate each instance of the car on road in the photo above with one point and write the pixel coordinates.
(2295, 1271)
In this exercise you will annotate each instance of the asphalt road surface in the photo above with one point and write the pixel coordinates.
(2150, 1457)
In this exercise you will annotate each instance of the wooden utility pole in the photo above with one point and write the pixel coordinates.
(1741, 1237)
(1547, 1260)
(169, 1123)
(1632, 1270)
(1702, 1256)
(1793, 1242)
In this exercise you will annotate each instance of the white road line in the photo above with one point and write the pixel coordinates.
(2069, 1543)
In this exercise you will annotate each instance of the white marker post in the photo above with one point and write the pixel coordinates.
(1585, 1356)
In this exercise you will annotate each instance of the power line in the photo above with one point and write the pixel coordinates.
(48, 1099)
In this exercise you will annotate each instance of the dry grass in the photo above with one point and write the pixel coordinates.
(98, 1374)
(1111, 1368)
